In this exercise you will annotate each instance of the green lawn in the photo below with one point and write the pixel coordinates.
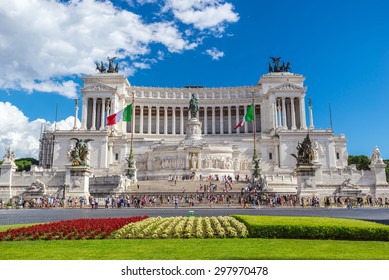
(195, 249)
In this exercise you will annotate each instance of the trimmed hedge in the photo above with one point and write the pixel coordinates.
(313, 228)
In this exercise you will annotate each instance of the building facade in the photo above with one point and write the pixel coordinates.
(168, 142)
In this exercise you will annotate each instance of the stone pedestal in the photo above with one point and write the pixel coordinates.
(193, 143)
(77, 181)
(6, 172)
(381, 186)
(306, 180)
(193, 133)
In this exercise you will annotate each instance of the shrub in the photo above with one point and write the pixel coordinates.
(313, 228)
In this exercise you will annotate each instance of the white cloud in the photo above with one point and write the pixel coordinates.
(203, 14)
(215, 53)
(161, 55)
(42, 42)
(17, 132)
(66, 124)
(142, 65)
(142, 2)
(22, 135)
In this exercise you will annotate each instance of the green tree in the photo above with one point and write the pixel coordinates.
(362, 162)
(24, 164)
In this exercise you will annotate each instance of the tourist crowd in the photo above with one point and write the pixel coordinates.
(206, 198)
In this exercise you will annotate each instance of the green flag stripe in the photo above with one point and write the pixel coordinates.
(249, 117)
(127, 114)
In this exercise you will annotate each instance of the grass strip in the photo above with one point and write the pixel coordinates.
(195, 249)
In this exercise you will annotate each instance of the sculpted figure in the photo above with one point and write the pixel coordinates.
(111, 69)
(9, 156)
(276, 60)
(305, 153)
(79, 154)
(270, 68)
(376, 156)
(37, 186)
(193, 106)
(193, 161)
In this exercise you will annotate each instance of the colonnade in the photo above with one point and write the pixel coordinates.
(95, 111)
(171, 120)
(289, 113)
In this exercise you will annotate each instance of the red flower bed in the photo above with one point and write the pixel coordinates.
(72, 229)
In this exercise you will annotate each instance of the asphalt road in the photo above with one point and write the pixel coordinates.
(26, 216)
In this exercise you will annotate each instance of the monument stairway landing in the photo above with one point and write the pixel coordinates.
(181, 186)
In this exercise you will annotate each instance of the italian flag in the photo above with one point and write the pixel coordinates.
(123, 115)
(248, 117)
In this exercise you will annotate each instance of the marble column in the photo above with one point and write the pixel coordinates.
(174, 120)
(221, 120)
(213, 120)
(157, 122)
(285, 125)
(246, 127)
(141, 120)
(237, 120)
(94, 114)
(279, 114)
(205, 120)
(102, 126)
(302, 113)
(84, 112)
(274, 114)
(311, 125)
(182, 121)
(293, 113)
(165, 117)
(229, 120)
(75, 114)
(149, 120)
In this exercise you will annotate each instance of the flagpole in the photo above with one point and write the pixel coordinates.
(130, 161)
(254, 125)
(132, 120)
(255, 156)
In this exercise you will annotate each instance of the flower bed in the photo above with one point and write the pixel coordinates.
(69, 230)
(184, 227)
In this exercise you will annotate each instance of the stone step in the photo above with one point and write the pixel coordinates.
(181, 186)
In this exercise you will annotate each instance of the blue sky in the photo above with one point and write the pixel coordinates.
(341, 47)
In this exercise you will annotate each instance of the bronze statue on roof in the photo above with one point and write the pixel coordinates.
(283, 68)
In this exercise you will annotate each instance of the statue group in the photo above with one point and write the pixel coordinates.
(102, 69)
(283, 68)
(305, 152)
(79, 154)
